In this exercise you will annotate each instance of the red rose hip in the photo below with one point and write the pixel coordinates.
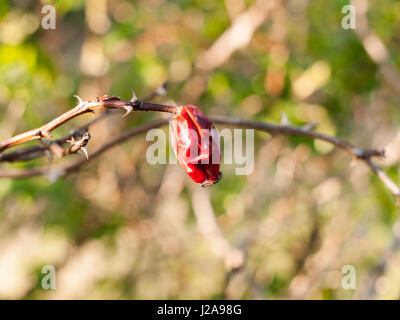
(196, 145)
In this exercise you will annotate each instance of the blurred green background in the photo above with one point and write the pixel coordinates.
(122, 228)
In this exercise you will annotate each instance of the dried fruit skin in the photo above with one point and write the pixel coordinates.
(196, 144)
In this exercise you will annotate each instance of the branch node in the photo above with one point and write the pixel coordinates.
(85, 151)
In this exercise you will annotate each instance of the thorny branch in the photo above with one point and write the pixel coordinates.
(364, 155)
(82, 108)
(55, 146)
(57, 172)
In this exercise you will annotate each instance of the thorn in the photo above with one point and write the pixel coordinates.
(80, 101)
(79, 98)
(134, 97)
(128, 110)
(284, 119)
(85, 151)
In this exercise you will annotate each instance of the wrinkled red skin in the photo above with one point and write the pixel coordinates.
(187, 130)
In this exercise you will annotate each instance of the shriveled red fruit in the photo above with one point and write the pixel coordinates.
(196, 144)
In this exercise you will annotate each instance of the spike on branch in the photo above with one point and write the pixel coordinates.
(134, 96)
(82, 108)
(128, 109)
(85, 151)
(80, 101)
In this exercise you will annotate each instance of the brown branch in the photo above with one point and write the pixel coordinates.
(364, 155)
(82, 108)
(301, 131)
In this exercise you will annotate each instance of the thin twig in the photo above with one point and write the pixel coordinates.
(26, 173)
(356, 152)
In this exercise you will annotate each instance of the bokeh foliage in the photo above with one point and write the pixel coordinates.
(122, 228)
